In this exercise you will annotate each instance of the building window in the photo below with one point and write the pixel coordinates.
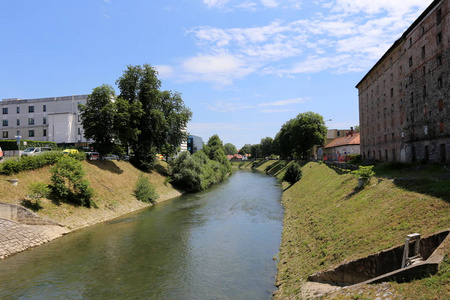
(425, 110)
(44, 108)
(5, 110)
(411, 79)
(439, 38)
(423, 52)
(5, 122)
(31, 133)
(79, 131)
(392, 92)
(18, 109)
(412, 98)
(30, 121)
(5, 134)
(400, 69)
(423, 30)
(441, 105)
(18, 132)
(410, 42)
(438, 16)
(18, 122)
(423, 71)
(410, 61)
(44, 120)
(441, 127)
(31, 109)
(439, 83)
(439, 60)
(424, 91)
(44, 133)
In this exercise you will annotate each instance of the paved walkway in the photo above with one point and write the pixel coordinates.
(16, 237)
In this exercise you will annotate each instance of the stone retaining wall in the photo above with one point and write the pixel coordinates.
(23, 215)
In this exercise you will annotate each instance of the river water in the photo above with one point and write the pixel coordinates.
(217, 244)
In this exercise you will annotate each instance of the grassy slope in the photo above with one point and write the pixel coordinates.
(112, 181)
(326, 223)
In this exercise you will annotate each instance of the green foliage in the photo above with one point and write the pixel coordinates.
(364, 172)
(215, 151)
(246, 149)
(38, 190)
(354, 158)
(68, 182)
(197, 172)
(299, 135)
(97, 117)
(159, 119)
(230, 149)
(12, 144)
(255, 151)
(266, 146)
(144, 190)
(15, 165)
(293, 173)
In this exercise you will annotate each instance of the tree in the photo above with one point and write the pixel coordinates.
(283, 140)
(160, 128)
(266, 146)
(246, 149)
(215, 151)
(255, 151)
(308, 130)
(230, 149)
(97, 118)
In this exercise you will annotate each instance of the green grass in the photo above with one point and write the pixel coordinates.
(327, 221)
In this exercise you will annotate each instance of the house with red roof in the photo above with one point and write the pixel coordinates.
(340, 148)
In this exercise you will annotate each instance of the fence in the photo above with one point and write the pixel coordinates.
(341, 166)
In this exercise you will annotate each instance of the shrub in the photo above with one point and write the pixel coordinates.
(293, 173)
(365, 173)
(15, 165)
(144, 190)
(68, 182)
(38, 190)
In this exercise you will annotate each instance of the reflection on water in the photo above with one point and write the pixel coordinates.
(217, 244)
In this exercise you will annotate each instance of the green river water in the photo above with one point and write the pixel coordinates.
(217, 244)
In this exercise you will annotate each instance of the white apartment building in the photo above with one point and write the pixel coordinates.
(54, 119)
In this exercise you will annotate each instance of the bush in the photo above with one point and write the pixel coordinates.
(68, 182)
(38, 190)
(354, 159)
(365, 173)
(144, 190)
(293, 173)
(15, 165)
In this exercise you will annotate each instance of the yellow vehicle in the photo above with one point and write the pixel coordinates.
(70, 151)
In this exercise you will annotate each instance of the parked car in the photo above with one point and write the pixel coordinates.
(110, 157)
(70, 151)
(93, 155)
(125, 157)
(35, 151)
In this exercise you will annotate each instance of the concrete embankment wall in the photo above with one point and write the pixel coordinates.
(22, 215)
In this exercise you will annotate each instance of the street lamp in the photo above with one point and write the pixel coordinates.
(18, 137)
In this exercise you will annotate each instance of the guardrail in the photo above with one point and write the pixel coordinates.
(341, 166)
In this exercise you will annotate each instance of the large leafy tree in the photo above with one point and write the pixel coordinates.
(97, 118)
(230, 149)
(308, 130)
(255, 151)
(246, 149)
(215, 151)
(160, 128)
(283, 140)
(266, 146)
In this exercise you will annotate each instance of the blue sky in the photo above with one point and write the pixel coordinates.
(244, 67)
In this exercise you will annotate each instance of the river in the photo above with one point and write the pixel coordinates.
(217, 244)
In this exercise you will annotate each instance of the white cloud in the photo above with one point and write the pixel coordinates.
(228, 106)
(339, 36)
(277, 110)
(165, 71)
(269, 3)
(284, 102)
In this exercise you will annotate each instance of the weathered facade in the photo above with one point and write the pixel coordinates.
(404, 104)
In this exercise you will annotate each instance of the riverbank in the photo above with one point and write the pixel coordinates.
(113, 183)
(328, 222)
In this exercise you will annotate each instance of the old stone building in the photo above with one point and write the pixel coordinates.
(404, 104)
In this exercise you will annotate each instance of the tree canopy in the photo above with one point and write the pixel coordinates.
(230, 149)
(299, 135)
(142, 117)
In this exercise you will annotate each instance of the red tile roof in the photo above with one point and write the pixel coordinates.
(346, 140)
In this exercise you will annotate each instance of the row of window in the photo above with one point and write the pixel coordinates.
(30, 121)
(30, 109)
(30, 133)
